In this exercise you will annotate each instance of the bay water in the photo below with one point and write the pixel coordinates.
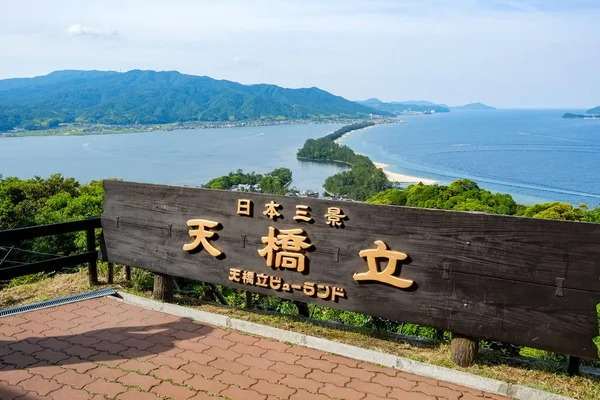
(181, 157)
(535, 155)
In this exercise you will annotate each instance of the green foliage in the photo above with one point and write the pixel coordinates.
(25, 279)
(558, 210)
(417, 330)
(220, 183)
(362, 181)
(274, 182)
(344, 317)
(41, 201)
(142, 280)
(150, 97)
(58, 199)
(460, 195)
(593, 215)
(348, 128)
(326, 149)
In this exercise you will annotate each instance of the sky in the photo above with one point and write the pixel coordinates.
(507, 53)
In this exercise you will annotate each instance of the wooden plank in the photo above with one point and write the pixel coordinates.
(47, 265)
(521, 249)
(20, 234)
(484, 276)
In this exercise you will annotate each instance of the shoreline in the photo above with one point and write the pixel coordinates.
(338, 140)
(402, 178)
(394, 177)
(100, 129)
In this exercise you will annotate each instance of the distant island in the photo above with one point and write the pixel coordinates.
(581, 116)
(150, 97)
(399, 108)
(419, 106)
(592, 113)
(595, 110)
(474, 106)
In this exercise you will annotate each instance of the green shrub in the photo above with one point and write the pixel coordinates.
(142, 280)
(25, 279)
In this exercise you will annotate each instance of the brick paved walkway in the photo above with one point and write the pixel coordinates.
(105, 349)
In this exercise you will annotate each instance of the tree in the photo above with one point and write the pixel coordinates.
(41, 201)
(593, 215)
(274, 182)
(460, 195)
(557, 210)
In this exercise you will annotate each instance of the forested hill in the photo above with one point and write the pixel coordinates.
(150, 97)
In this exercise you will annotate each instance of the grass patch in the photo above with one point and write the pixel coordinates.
(544, 374)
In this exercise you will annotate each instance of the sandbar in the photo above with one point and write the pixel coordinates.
(401, 178)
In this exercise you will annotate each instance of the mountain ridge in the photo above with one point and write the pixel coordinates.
(158, 97)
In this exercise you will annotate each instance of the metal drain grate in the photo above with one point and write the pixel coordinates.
(57, 302)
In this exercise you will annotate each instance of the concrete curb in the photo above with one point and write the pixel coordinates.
(387, 360)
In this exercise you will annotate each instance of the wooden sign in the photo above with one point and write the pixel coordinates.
(518, 280)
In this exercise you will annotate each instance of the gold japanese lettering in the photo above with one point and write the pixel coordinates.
(262, 280)
(244, 207)
(327, 290)
(309, 289)
(302, 214)
(338, 292)
(334, 217)
(385, 276)
(201, 236)
(270, 248)
(234, 274)
(289, 260)
(287, 246)
(248, 277)
(275, 282)
(271, 210)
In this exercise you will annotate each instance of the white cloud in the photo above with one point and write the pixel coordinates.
(81, 30)
(510, 53)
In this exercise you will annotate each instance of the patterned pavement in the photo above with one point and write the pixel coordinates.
(106, 349)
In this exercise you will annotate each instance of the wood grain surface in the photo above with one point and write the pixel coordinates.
(518, 280)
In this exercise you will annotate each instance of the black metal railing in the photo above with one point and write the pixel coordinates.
(15, 236)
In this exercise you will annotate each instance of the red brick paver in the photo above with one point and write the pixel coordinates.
(105, 349)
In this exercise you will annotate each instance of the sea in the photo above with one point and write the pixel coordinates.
(535, 155)
(180, 157)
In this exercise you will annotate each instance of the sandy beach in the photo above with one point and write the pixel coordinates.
(339, 140)
(392, 176)
(401, 178)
